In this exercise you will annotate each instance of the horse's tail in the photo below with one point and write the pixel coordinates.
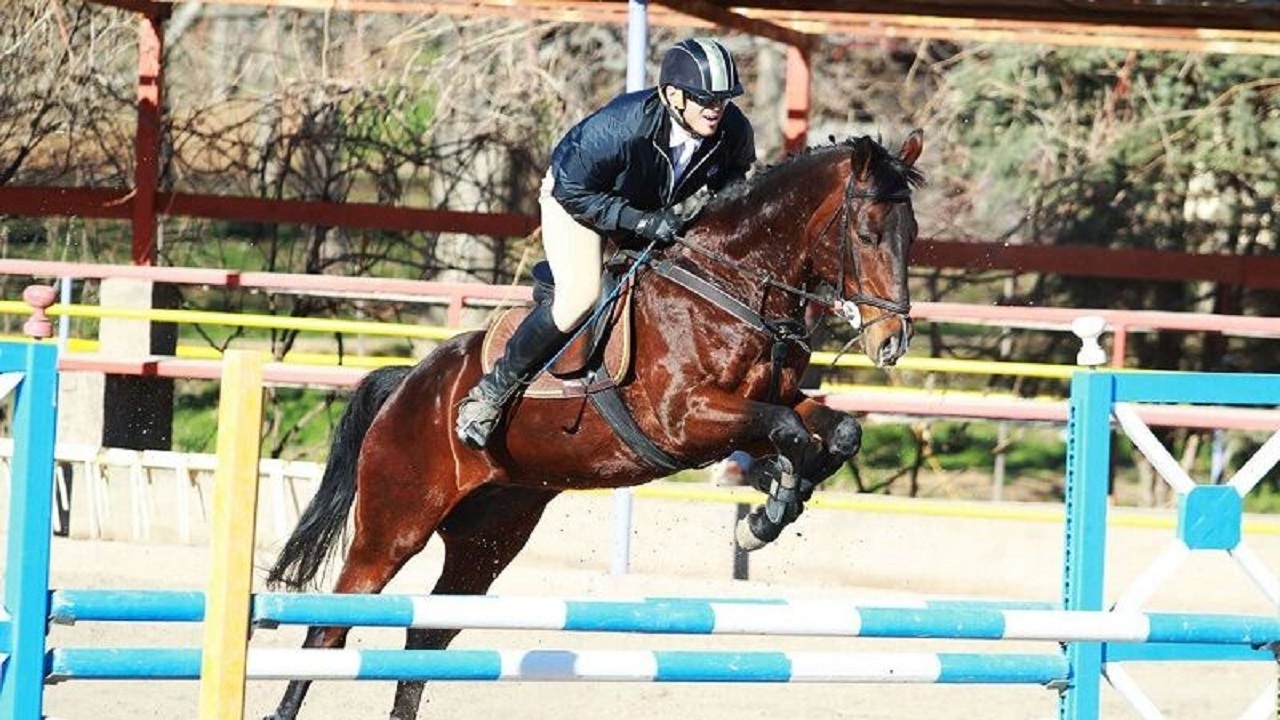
(314, 540)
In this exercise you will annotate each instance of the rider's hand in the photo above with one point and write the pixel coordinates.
(660, 226)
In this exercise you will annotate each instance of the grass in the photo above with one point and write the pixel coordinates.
(302, 421)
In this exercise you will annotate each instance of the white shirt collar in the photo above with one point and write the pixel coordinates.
(680, 136)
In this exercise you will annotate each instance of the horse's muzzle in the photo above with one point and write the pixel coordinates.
(893, 345)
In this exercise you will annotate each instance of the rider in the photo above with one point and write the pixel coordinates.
(618, 173)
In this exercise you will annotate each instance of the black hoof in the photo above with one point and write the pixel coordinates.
(756, 530)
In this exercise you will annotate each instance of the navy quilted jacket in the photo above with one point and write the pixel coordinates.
(614, 165)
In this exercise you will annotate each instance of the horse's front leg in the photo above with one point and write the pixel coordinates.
(789, 479)
(795, 446)
(840, 437)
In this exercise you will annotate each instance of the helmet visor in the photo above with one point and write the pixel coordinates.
(709, 99)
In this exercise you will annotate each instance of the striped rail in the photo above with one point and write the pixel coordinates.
(574, 665)
(958, 620)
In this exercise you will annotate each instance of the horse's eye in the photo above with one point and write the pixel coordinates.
(863, 229)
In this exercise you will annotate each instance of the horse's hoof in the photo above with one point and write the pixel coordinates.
(746, 539)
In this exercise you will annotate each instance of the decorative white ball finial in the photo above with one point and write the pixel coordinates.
(1088, 328)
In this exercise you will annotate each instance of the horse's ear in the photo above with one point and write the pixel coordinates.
(912, 147)
(862, 150)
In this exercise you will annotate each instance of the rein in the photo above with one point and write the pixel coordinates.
(783, 332)
(763, 278)
(787, 331)
(845, 306)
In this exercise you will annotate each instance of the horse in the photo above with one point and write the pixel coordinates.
(719, 346)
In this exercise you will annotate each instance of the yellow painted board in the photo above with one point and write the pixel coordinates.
(235, 508)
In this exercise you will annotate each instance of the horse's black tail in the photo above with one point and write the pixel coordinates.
(314, 540)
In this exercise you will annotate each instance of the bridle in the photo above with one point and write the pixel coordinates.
(787, 331)
(846, 306)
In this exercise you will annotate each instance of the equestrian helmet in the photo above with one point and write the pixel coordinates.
(702, 68)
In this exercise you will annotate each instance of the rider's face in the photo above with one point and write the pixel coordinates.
(702, 119)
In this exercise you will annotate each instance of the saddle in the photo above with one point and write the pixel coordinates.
(599, 357)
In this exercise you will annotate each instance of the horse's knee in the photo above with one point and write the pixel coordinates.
(790, 436)
(845, 438)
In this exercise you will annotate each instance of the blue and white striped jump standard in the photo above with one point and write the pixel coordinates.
(574, 665)
(831, 618)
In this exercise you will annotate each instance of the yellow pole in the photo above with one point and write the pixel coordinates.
(235, 508)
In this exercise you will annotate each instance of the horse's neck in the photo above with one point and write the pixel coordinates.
(772, 237)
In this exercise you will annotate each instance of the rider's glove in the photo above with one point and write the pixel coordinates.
(660, 226)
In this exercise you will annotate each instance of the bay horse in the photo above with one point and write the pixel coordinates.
(717, 366)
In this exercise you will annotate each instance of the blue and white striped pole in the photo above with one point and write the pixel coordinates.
(574, 666)
(964, 620)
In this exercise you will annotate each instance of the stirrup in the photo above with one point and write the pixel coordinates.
(477, 418)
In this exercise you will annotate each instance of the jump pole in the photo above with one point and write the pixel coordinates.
(233, 524)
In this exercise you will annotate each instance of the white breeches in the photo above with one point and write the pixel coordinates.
(574, 252)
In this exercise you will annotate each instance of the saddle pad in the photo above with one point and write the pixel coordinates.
(617, 352)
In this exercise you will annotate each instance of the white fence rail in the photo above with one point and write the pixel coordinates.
(107, 473)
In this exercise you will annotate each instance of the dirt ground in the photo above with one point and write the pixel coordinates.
(683, 549)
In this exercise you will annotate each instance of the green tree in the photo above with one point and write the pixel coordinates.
(1123, 150)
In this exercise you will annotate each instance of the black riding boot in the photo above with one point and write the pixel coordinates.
(533, 344)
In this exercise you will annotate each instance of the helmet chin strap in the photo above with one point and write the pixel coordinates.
(677, 116)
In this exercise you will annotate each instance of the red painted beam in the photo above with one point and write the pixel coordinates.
(919, 404)
(1254, 271)
(795, 118)
(181, 275)
(936, 405)
(335, 214)
(116, 204)
(722, 17)
(146, 7)
(274, 373)
(146, 147)
(111, 203)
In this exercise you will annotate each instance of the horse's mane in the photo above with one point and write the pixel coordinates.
(885, 166)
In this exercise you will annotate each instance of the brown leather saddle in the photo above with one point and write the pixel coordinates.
(598, 358)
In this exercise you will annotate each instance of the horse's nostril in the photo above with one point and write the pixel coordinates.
(889, 350)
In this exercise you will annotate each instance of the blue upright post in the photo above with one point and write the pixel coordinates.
(1084, 547)
(26, 586)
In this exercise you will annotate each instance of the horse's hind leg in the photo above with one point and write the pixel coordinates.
(394, 520)
(481, 537)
